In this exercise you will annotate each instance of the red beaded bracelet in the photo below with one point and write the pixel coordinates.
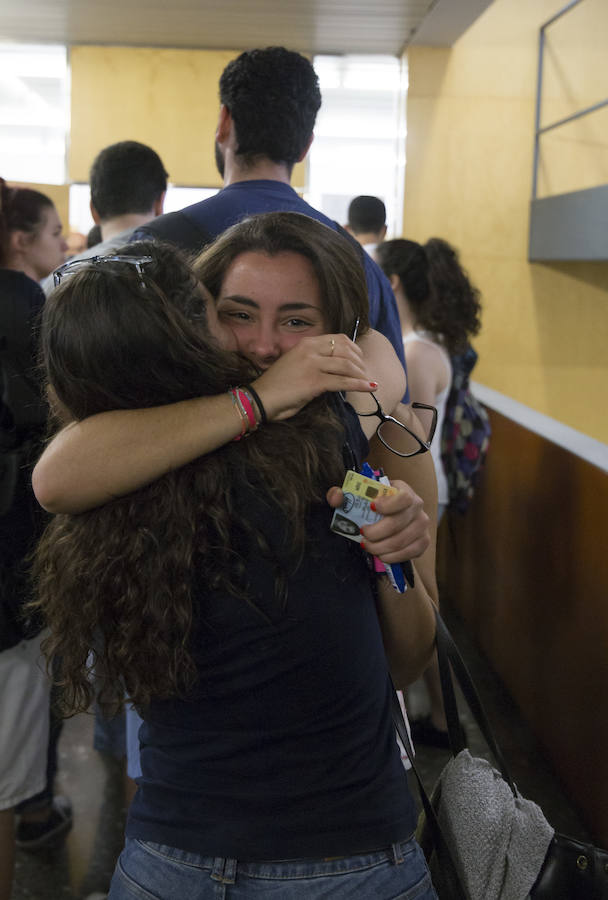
(242, 403)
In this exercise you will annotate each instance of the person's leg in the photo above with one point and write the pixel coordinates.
(24, 714)
(134, 723)
(7, 852)
(109, 733)
(44, 818)
(432, 729)
(432, 683)
(38, 807)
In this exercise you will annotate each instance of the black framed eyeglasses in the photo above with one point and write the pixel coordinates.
(396, 436)
(75, 265)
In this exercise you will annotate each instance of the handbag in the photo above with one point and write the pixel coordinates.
(481, 838)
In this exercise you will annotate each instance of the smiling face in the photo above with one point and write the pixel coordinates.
(270, 303)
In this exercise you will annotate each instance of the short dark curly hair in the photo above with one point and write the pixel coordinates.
(273, 97)
(127, 177)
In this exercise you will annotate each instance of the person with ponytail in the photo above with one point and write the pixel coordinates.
(439, 309)
(31, 246)
(247, 634)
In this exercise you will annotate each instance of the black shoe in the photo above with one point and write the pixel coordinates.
(424, 732)
(34, 835)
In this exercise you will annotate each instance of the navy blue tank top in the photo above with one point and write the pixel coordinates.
(285, 748)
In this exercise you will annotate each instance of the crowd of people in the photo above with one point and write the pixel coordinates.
(186, 402)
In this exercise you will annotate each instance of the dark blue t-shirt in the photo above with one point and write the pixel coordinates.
(285, 748)
(247, 198)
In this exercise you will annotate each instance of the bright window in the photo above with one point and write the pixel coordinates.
(177, 198)
(359, 145)
(34, 113)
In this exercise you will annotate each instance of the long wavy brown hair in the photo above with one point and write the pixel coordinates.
(115, 583)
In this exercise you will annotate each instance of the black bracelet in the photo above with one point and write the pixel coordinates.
(259, 403)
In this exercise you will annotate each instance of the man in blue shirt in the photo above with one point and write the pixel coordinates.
(269, 104)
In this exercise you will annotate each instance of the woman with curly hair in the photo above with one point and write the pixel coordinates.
(244, 630)
(440, 311)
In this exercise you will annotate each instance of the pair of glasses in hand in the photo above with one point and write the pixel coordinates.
(396, 436)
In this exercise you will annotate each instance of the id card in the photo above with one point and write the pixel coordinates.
(360, 490)
(355, 512)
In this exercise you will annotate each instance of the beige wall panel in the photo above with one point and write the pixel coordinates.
(462, 153)
(168, 99)
(575, 52)
(575, 156)
(468, 178)
(165, 98)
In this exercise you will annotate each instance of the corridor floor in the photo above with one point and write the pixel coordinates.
(84, 863)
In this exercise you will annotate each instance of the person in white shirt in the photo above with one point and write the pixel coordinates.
(367, 222)
(439, 310)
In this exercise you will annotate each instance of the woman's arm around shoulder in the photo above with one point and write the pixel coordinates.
(114, 453)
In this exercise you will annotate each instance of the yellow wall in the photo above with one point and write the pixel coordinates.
(168, 99)
(470, 119)
(165, 98)
(575, 156)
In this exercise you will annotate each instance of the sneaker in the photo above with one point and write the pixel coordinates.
(424, 732)
(34, 835)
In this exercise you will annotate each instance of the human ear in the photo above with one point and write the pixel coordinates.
(307, 148)
(19, 242)
(224, 124)
(95, 214)
(159, 204)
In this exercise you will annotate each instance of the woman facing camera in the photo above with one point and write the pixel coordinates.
(244, 630)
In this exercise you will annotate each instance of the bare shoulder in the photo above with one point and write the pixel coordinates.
(423, 353)
(383, 366)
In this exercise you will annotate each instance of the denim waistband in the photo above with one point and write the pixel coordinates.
(224, 869)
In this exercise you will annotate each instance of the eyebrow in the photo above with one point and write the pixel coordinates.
(284, 307)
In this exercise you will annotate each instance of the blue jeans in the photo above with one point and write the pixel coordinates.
(153, 871)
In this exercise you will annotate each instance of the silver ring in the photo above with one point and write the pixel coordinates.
(333, 346)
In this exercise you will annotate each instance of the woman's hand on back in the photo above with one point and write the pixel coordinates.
(328, 362)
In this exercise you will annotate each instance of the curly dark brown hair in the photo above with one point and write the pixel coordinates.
(441, 296)
(114, 584)
(273, 97)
